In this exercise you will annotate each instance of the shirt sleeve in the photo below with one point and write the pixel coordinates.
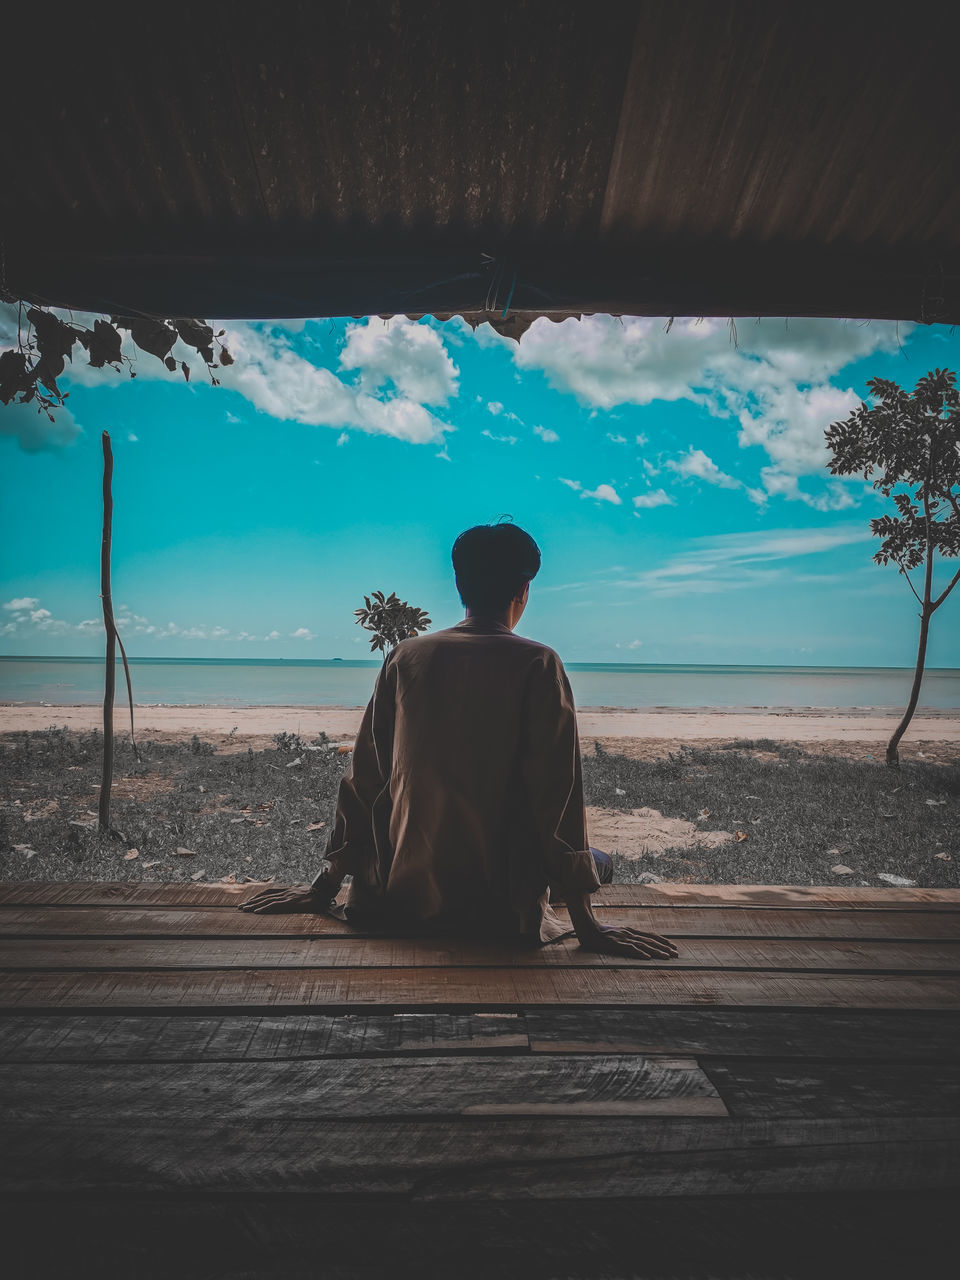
(552, 777)
(351, 841)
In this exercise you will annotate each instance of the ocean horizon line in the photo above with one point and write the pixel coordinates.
(275, 681)
(146, 659)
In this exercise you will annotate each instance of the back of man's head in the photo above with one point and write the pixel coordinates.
(492, 562)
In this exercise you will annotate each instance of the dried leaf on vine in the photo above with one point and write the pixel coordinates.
(199, 335)
(103, 345)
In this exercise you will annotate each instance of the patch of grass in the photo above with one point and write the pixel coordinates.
(802, 814)
(243, 814)
(249, 813)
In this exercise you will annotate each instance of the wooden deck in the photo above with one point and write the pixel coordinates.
(191, 1090)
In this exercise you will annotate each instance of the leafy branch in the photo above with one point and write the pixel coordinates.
(45, 342)
(390, 619)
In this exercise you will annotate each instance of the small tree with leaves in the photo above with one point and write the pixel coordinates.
(390, 619)
(908, 444)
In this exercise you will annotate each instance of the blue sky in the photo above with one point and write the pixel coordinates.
(673, 477)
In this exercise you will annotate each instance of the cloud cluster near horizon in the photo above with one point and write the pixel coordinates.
(24, 616)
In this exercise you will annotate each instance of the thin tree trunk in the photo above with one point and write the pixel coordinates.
(106, 778)
(926, 613)
(893, 754)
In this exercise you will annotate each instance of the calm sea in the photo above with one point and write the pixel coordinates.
(229, 682)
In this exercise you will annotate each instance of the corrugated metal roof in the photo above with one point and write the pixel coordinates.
(533, 157)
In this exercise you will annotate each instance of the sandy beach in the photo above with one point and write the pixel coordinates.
(640, 732)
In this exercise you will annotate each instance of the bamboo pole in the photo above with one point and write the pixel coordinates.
(110, 627)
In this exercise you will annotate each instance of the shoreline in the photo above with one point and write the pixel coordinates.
(802, 724)
(931, 713)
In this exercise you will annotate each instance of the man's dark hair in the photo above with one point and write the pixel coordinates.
(491, 563)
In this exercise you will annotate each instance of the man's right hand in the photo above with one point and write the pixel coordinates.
(612, 941)
(297, 899)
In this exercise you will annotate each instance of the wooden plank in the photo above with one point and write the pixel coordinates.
(907, 1035)
(180, 922)
(778, 896)
(150, 893)
(485, 1158)
(519, 1085)
(676, 922)
(109, 1038)
(331, 989)
(390, 953)
(775, 1087)
(879, 1034)
(116, 893)
(153, 1237)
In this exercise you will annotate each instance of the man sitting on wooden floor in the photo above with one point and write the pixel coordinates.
(462, 810)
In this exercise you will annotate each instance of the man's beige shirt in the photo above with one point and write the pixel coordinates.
(464, 794)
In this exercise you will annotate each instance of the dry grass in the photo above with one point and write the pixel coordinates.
(249, 813)
(801, 814)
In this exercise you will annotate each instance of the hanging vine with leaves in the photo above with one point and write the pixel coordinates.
(45, 342)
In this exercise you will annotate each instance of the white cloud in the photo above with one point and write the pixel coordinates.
(776, 483)
(633, 644)
(279, 381)
(9, 324)
(496, 408)
(774, 382)
(401, 353)
(132, 439)
(501, 439)
(616, 439)
(343, 438)
(656, 498)
(27, 617)
(571, 484)
(34, 431)
(732, 562)
(603, 493)
(696, 465)
(789, 423)
(783, 544)
(546, 434)
(606, 362)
